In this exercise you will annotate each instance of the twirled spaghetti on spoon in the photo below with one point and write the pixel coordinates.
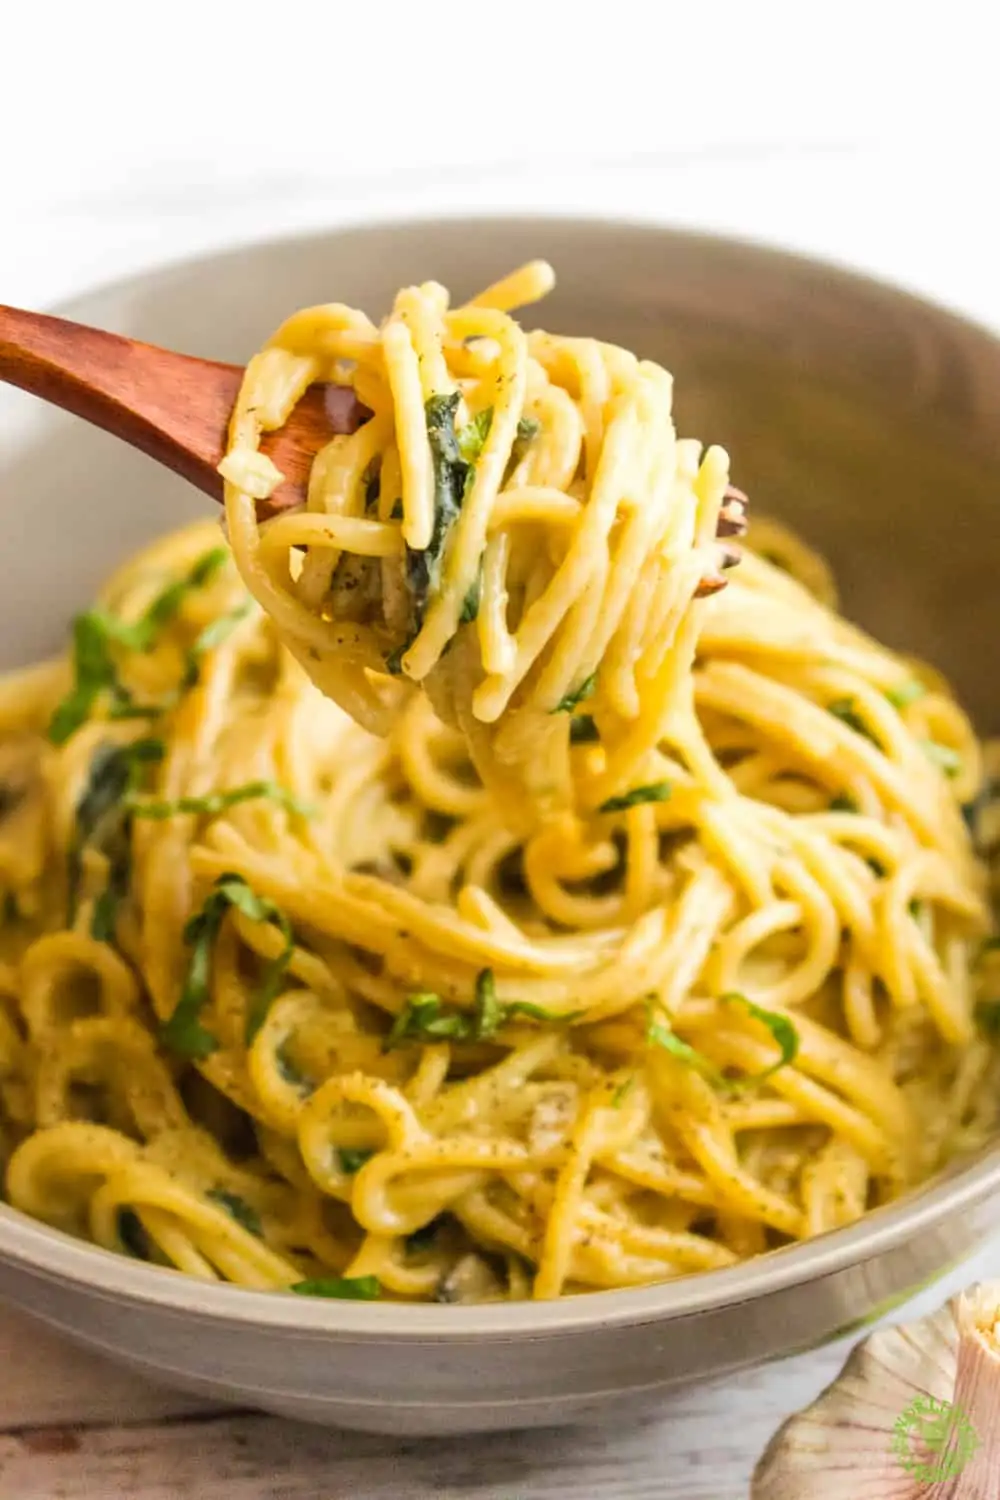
(601, 929)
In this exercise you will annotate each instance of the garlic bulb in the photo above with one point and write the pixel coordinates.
(914, 1415)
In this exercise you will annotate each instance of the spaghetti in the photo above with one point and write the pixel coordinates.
(529, 983)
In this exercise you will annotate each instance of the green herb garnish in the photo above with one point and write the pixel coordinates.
(622, 1091)
(906, 692)
(239, 1209)
(780, 1027)
(451, 473)
(844, 802)
(214, 803)
(97, 631)
(844, 710)
(944, 757)
(583, 730)
(213, 635)
(528, 429)
(426, 1018)
(183, 1032)
(346, 1288)
(474, 434)
(102, 821)
(576, 696)
(352, 1161)
(656, 791)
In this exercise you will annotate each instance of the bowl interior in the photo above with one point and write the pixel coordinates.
(855, 412)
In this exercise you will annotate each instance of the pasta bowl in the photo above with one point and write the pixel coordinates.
(859, 414)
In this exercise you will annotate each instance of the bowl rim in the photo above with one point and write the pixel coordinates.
(37, 1248)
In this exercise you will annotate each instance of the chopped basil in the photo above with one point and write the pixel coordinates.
(474, 434)
(97, 631)
(656, 791)
(183, 1032)
(214, 803)
(291, 1074)
(622, 1092)
(470, 604)
(352, 1161)
(781, 1028)
(102, 821)
(906, 692)
(528, 429)
(661, 1036)
(944, 757)
(239, 1209)
(583, 730)
(844, 802)
(843, 709)
(426, 1018)
(213, 635)
(567, 704)
(451, 472)
(346, 1288)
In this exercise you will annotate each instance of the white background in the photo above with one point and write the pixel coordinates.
(131, 132)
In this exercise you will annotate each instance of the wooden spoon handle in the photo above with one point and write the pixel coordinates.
(171, 406)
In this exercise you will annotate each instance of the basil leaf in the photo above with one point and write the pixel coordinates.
(844, 710)
(528, 429)
(183, 1032)
(94, 634)
(583, 730)
(239, 1209)
(101, 820)
(567, 704)
(488, 1014)
(214, 803)
(944, 757)
(622, 1092)
(213, 635)
(657, 791)
(661, 1036)
(425, 1017)
(781, 1028)
(844, 802)
(423, 568)
(346, 1288)
(352, 1161)
(474, 434)
(906, 692)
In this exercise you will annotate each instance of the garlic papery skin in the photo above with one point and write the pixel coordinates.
(913, 1415)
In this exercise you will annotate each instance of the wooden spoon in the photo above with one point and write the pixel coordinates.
(171, 406)
(176, 409)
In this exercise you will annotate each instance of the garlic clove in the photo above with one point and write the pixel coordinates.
(914, 1413)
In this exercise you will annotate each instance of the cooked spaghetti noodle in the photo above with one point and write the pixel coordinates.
(296, 1003)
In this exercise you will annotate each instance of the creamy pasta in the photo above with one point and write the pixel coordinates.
(605, 928)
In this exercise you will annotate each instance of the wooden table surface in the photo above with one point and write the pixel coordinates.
(74, 1426)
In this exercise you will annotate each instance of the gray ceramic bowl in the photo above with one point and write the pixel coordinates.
(865, 417)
